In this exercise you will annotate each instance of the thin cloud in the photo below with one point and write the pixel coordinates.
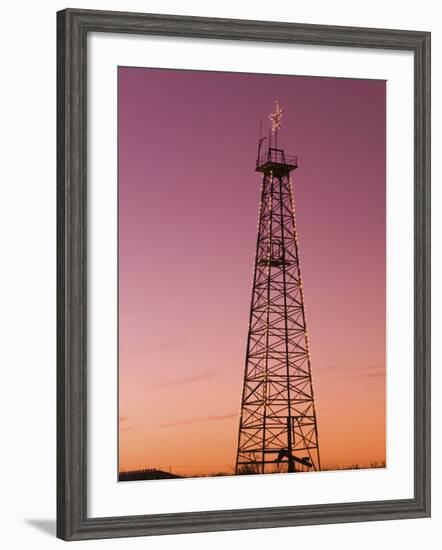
(210, 418)
(368, 371)
(186, 379)
(372, 371)
(162, 347)
(328, 368)
(380, 374)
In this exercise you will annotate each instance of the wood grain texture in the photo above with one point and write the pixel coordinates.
(72, 29)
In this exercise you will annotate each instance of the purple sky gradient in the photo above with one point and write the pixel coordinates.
(188, 205)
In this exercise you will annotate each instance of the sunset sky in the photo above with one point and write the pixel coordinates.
(188, 207)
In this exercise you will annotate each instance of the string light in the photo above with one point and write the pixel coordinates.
(276, 118)
(307, 343)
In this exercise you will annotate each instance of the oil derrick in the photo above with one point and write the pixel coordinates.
(278, 428)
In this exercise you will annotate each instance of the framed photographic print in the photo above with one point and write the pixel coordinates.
(243, 274)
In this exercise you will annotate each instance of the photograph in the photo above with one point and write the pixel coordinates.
(224, 214)
(251, 274)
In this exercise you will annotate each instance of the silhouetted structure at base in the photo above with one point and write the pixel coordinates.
(151, 473)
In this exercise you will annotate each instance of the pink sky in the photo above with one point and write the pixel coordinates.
(188, 205)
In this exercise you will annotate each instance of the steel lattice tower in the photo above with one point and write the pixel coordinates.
(278, 419)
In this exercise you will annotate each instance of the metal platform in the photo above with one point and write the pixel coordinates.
(275, 161)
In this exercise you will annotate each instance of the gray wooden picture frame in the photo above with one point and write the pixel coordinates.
(73, 27)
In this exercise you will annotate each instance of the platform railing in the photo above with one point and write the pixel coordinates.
(276, 156)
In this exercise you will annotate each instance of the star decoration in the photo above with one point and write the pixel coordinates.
(276, 118)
